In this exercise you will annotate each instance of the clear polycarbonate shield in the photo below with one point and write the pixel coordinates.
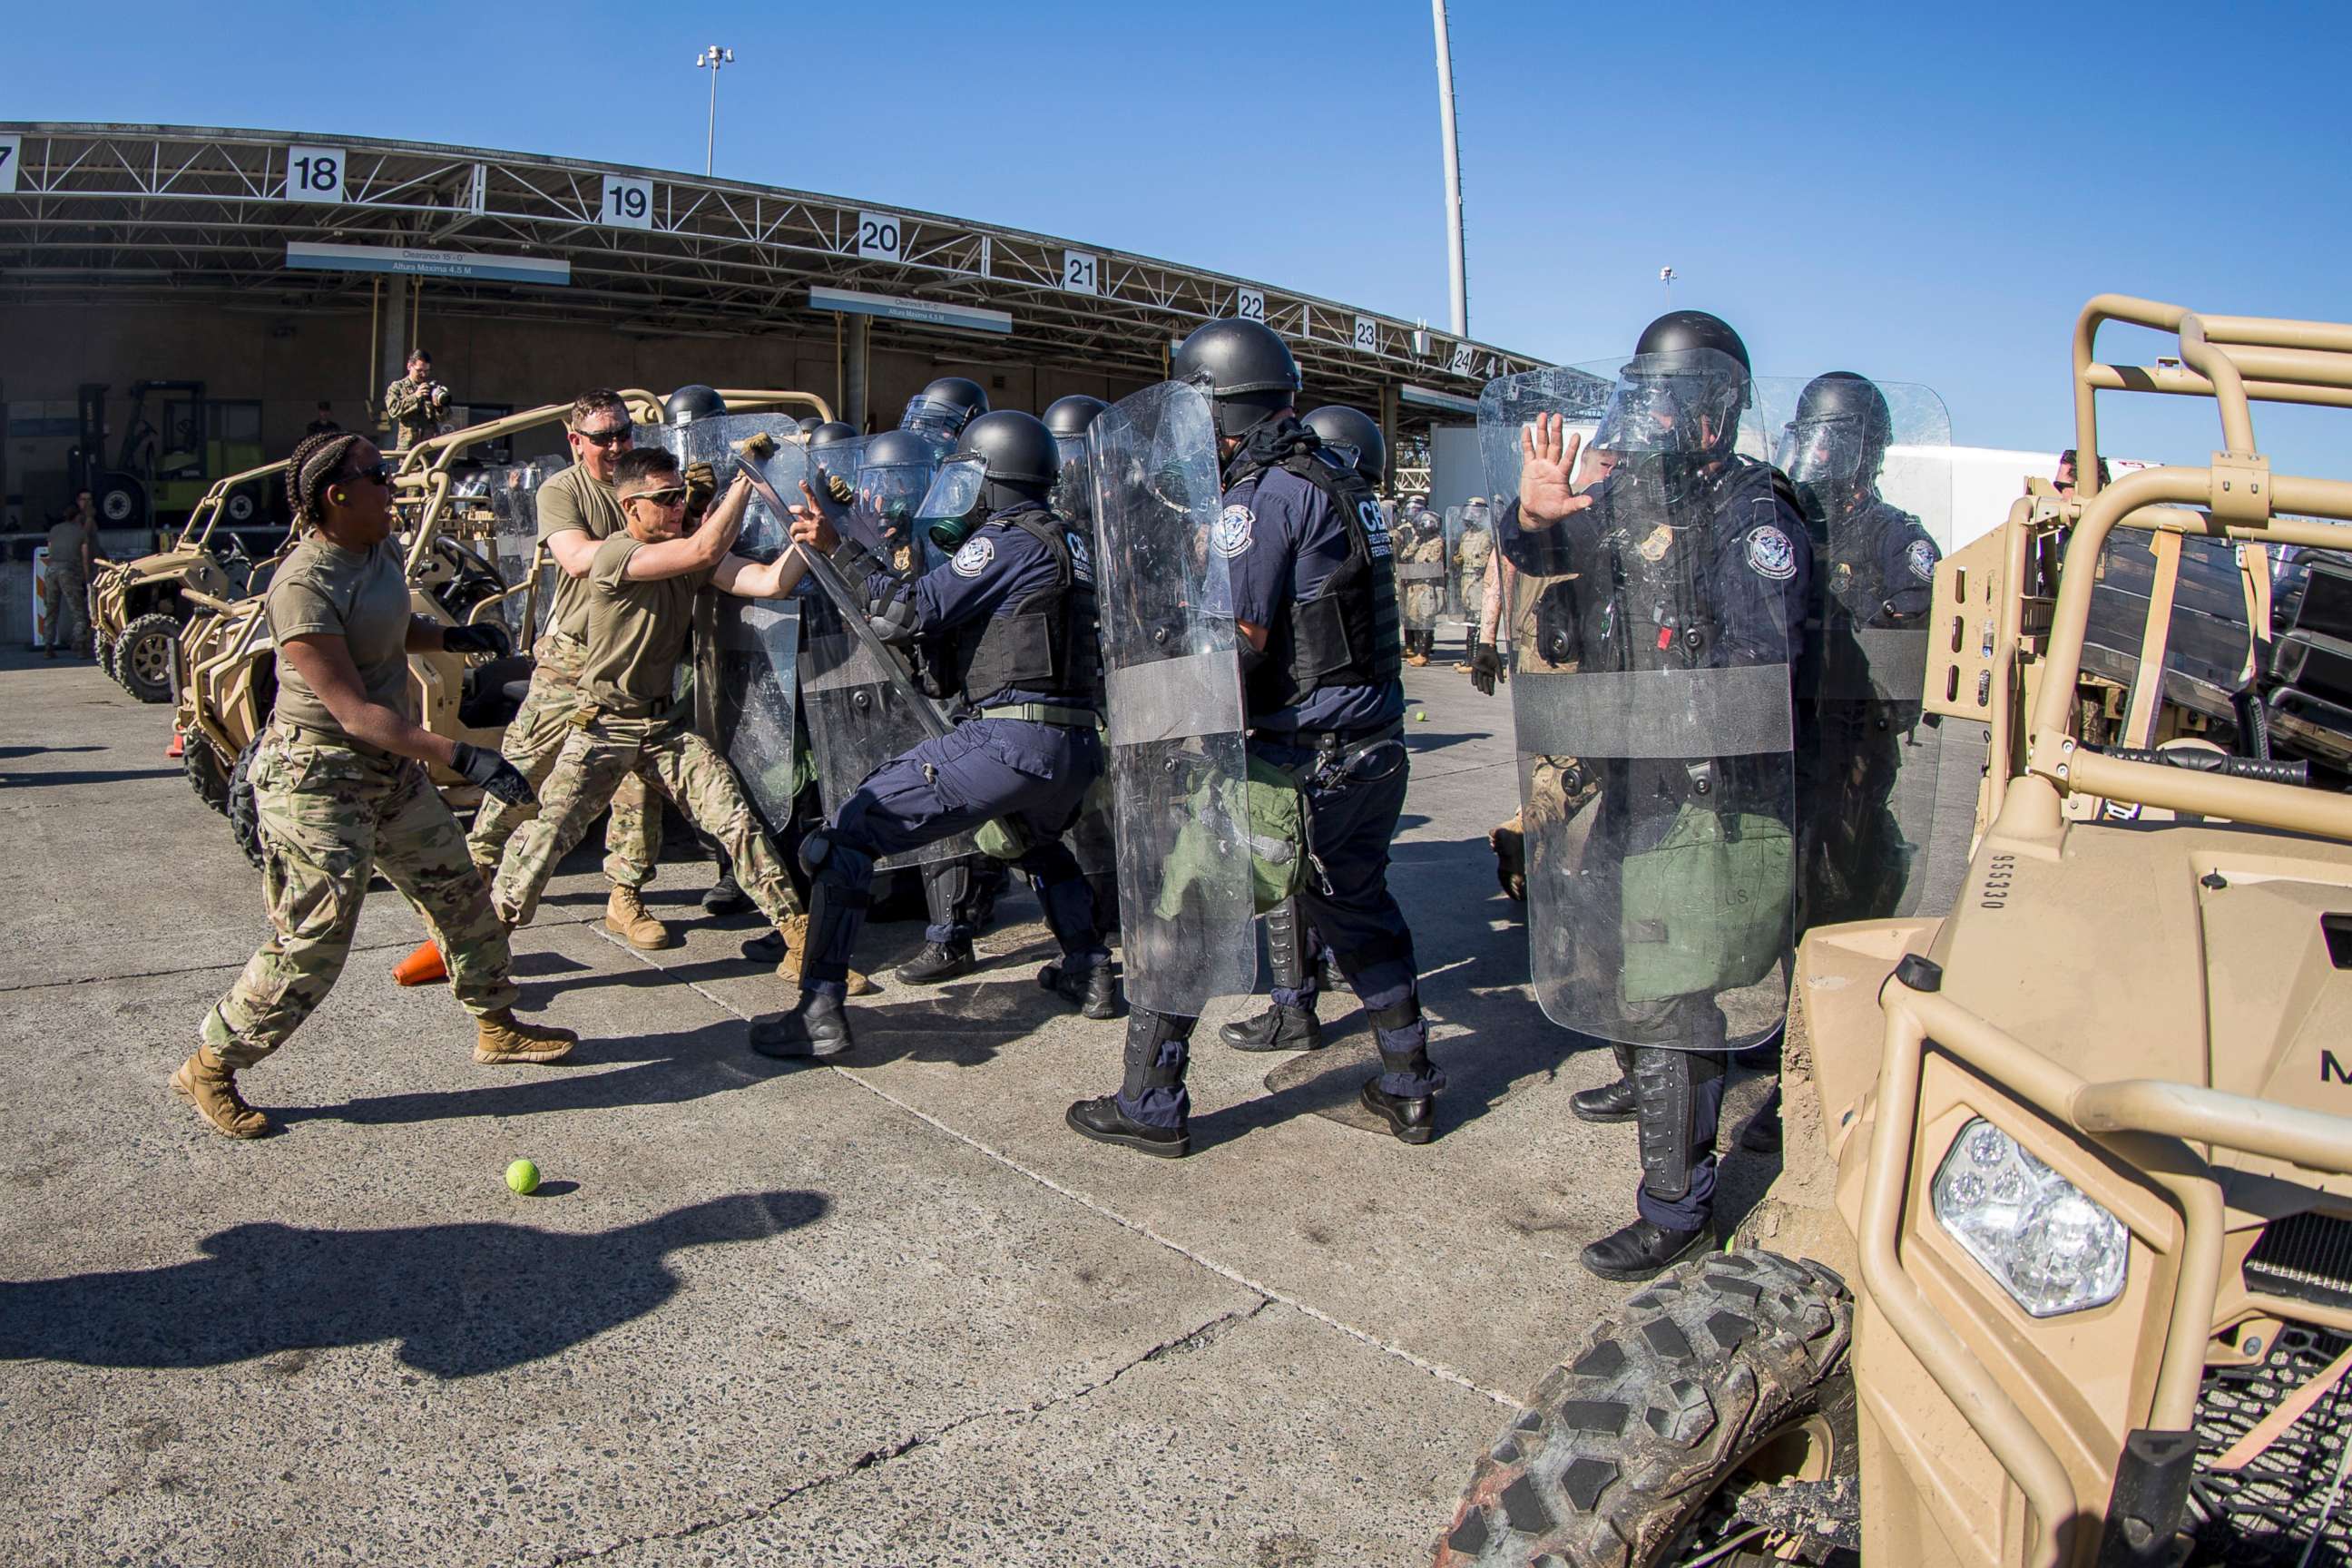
(1073, 491)
(511, 492)
(759, 689)
(784, 465)
(1885, 791)
(886, 516)
(1469, 542)
(1178, 761)
(1651, 690)
(1419, 550)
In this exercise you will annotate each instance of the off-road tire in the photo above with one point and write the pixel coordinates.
(207, 773)
(103, 651)
(244, 817)
(1626, 1440)
(143, 655)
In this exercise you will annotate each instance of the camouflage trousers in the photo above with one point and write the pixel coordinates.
(633, 832)
(68, 605)
(330, 817)
(597, 755)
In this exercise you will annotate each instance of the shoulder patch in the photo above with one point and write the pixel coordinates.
(1922, 558)
(974, 557)
(1232, 534)
(1769, 553)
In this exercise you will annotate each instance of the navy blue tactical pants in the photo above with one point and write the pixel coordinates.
(1351, 820)
(1037, 774)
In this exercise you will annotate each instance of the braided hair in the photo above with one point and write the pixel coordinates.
(316, 463)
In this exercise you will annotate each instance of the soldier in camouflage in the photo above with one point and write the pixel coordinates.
(1420, 581)
(1471, 553)
(341, 790)
(416, 405)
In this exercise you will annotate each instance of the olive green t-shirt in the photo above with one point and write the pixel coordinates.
(64, 550)
(575, 499)
(324, 590)
(637, 630)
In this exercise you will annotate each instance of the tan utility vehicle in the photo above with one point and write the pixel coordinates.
(472, 556)
(2058, 1267)
(136, 609)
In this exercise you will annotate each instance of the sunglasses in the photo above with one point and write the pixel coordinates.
(376, 473)
(674, 496)
(613, 437)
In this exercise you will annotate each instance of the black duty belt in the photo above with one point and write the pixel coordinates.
(1047, 713)
(1346, 744)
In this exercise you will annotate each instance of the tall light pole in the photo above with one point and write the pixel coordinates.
(711, 60)
(1456, 272)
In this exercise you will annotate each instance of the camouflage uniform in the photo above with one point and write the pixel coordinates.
(599, 752)
(66, 589)
(1470, 558)
(1422, 600)
(533, 739)
(330, 814)
(418, 410)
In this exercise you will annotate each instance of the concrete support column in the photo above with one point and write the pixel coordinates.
(1389, 436)
(391, 339)
(856, 357)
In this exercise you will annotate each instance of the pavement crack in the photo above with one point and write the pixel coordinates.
(1198, 1337)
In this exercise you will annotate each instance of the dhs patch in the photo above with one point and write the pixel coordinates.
(1921, 558)
(1232, 534)
(974, 557)
(1082, 561)
(1769, 554)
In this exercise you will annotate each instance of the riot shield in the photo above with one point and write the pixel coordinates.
(1420, 552)
(1885, 816)
(529, 573)
(717, 441)
(1469, 541)
(891, 484)
(1651, 693)
(759, 689)
(1178, 761)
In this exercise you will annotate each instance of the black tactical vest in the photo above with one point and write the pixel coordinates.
(1347, 633)
(1044, 643)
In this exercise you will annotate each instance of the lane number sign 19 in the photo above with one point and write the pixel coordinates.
(628, 203)
(11, 149)
(1081, 273)
(314, 174)
(1249, 304)
(879, 237)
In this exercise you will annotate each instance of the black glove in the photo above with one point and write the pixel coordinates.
(496, 775)
(482, 637)
(1486, 665)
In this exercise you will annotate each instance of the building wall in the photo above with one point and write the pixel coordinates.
(291, 361)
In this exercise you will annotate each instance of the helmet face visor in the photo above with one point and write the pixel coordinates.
(888, 497)
(955, 492)
(935, 417)
(1685, 404)
(1822, 450)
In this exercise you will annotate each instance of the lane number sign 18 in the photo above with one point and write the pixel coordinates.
(628, 203)
(1081, 273)
(879, 237)
(11, 149)
(314, 174)
(1249, 304)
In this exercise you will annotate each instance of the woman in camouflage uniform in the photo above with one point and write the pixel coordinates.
(341, 786)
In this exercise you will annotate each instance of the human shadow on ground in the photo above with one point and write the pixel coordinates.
(8, 753)
(638, 1069)
(84, 776)
(459, 1299)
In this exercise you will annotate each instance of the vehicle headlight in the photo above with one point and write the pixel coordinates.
(2052, 1249)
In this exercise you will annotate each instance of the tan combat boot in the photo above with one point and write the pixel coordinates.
(626, 917)
(209, 1084)
(500, 1036)
(794, 930)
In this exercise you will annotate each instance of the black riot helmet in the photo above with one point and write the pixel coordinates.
(1681, 394)
(1067, 420)
(831, 431)
(688, 403)
(809, 427)
(895, 470)
(1001, 460)
(944, 407)
(833, 449)
(1355, 437)
(1248, 369)
(1832, 451)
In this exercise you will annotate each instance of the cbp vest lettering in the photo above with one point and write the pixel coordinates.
(1044, 643)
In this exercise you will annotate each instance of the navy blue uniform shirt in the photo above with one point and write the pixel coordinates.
(1281, 542)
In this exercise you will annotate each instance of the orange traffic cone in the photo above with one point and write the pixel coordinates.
(179, 744)
(422, 967)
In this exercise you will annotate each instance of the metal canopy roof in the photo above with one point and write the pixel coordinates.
(111, 214)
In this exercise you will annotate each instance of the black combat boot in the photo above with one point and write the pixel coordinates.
(816, 1025)
(1611, 1101)
(1278, 1028)
(938, 962)
(1412, 1117)
(724, 898)
(1291, 946)
(1642, 1250)
(1149, 1034)
(1093, 990)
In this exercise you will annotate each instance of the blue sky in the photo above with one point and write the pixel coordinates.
(1920, 194)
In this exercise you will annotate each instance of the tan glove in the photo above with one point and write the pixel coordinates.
(758, 445)
(701, 485)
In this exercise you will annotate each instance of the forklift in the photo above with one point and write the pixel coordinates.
(176, 442)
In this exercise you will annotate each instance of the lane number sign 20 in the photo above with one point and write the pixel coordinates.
(314, 174)
(628, 203)
(879, 237)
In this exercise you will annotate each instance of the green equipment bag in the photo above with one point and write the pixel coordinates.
(1277, 813)
(1707, 910)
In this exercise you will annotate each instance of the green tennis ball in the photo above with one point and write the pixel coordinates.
(523, 1176)
(1421, 718)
